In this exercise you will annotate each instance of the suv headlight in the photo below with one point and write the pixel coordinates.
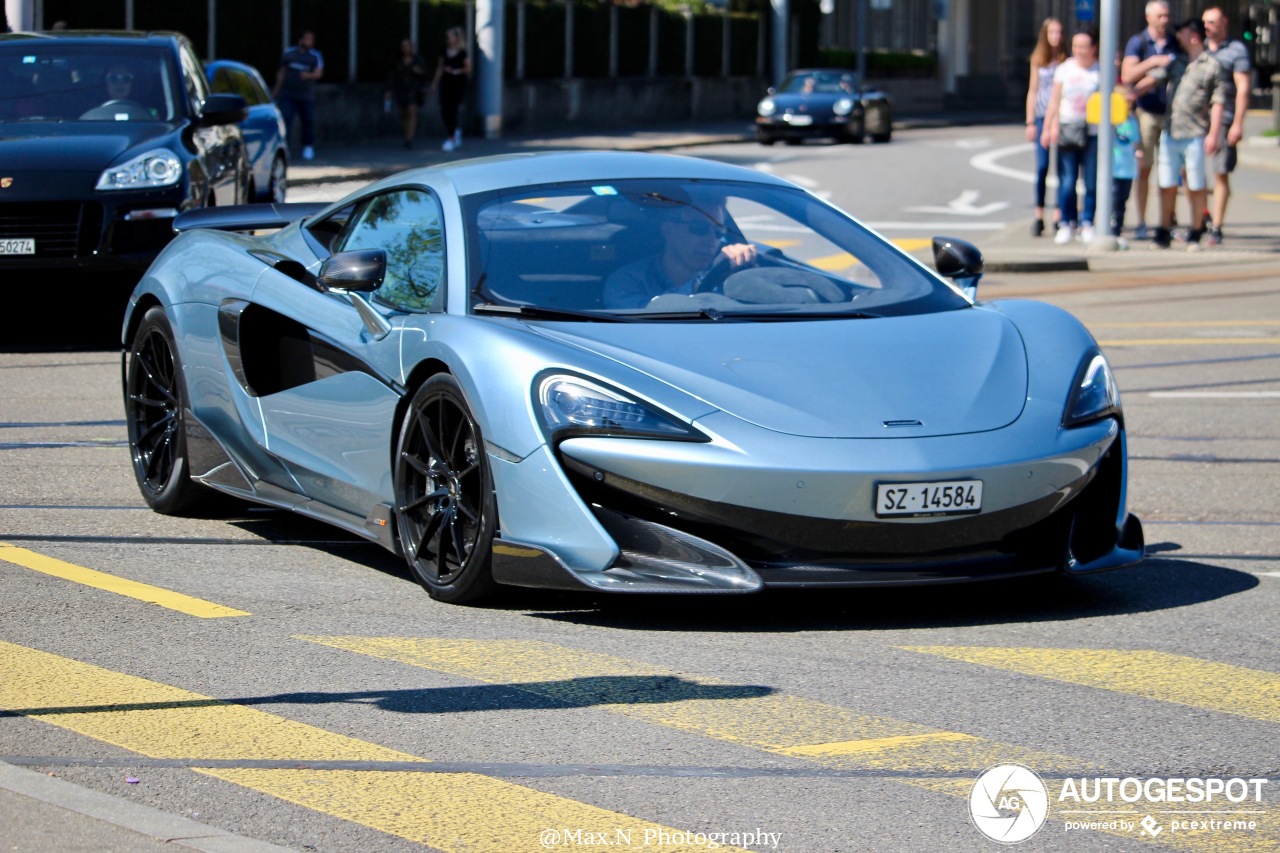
(159, 168)
(577, 406)
(1094, 394)
(843, 107)
(767, 107)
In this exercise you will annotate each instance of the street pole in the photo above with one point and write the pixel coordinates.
(1109, 18)
(781, 16)
(489, 52)
(862, 41)
(20, 14)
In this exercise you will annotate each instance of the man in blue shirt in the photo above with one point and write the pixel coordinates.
(300, 68)
(1145, 64)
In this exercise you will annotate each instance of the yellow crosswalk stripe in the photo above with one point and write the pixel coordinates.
(1178, 342)
(112, 583)
(448, 811)
(759, 718)
(1162, 676)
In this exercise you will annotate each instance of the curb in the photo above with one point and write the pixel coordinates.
(126, 814)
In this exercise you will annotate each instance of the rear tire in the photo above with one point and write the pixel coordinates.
(155, 402)
(446, 514)
(279, 183)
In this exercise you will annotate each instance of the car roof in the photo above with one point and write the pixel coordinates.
(485, 174)
(98, 37)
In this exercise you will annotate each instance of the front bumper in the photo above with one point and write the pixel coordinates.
(1063, 512)
(790, 126)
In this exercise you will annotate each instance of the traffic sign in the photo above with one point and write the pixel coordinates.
(1086, 10)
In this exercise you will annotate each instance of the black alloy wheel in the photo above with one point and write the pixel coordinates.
(445, 508)
(154, 409)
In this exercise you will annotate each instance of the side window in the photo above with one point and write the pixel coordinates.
(192, 78)
(408, 225)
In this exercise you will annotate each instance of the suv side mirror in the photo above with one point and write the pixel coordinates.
(361, 271)
(223, 109)
(959, 261)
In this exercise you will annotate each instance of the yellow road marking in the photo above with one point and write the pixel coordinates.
(773, 722)
(111, 583)
(781, 244)
(448, 811)
(1163, 342)
(1183, 680)
(1268, 196)
(832, 263)
(910, 244)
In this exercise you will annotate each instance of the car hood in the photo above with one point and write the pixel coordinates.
(897, 377)
(73, 146)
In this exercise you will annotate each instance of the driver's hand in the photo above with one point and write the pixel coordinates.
(739, 254)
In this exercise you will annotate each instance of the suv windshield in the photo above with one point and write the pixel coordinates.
(698, 250)
(56, 81)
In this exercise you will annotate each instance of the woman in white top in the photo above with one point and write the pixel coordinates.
(1045, 59)
(1065, 126)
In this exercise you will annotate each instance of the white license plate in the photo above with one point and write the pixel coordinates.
(944, 497)
(20, 246)
(800, 121)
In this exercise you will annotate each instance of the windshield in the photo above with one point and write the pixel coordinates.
(51, 81)
(824, 82)
(665, 249)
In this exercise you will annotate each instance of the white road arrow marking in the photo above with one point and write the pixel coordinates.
(964, 206)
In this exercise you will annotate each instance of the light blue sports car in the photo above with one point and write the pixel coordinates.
(622, 372)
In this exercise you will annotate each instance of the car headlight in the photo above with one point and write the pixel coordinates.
(574, 405)
(843, 107)
(767, 107)
(159, 168)
(1094, 394)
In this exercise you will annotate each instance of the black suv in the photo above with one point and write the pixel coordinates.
(105, 137)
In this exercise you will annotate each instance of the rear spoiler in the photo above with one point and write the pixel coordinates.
(246, 217)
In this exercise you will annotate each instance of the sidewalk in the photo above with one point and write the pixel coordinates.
(42, 814)
(1010, 250)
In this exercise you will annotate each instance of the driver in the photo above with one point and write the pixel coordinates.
(119, 82)
(693, 241)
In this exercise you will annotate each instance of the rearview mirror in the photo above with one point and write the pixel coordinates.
(959, 261)
(361, 271)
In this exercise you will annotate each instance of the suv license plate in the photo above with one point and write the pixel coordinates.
(20, 246)
(944, 497)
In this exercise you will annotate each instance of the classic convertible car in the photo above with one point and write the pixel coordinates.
(814, 103)
(622, 372)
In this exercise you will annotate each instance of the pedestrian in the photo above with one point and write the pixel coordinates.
(1066, 125)
(1045, 59)
(450, 81)
(1234, 58)
(300, 67)
(405, 85)
(1147, 55)
(1125, 151)
(1197, 96)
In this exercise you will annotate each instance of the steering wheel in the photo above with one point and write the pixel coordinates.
(117, 105)
(712, 280)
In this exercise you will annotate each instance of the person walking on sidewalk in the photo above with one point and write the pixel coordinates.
(300, 67)
(1234, 57)
(1148, 54)
(1045, 59)
(450, 81)
(1197, 94)
(1066, 126)
(405, 87)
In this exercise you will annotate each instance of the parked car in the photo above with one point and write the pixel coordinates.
(443, 363)
(263, 128)
(814, 103)
(105, 137)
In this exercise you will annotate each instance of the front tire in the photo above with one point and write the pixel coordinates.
(279, 182)
(155, 402)
(445, 508)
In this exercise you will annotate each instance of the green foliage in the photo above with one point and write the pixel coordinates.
(882, 63)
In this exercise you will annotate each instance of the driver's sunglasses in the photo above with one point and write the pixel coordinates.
(119, 78)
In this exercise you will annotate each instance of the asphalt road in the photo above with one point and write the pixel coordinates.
(280, 680)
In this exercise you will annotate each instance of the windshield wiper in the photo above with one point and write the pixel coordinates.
(541, 313)
(717, 315)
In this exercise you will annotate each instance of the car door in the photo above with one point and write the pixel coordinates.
(328, 379)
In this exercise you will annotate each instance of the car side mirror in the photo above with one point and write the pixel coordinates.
(223, 109)
(959, 261)
(361, 271)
